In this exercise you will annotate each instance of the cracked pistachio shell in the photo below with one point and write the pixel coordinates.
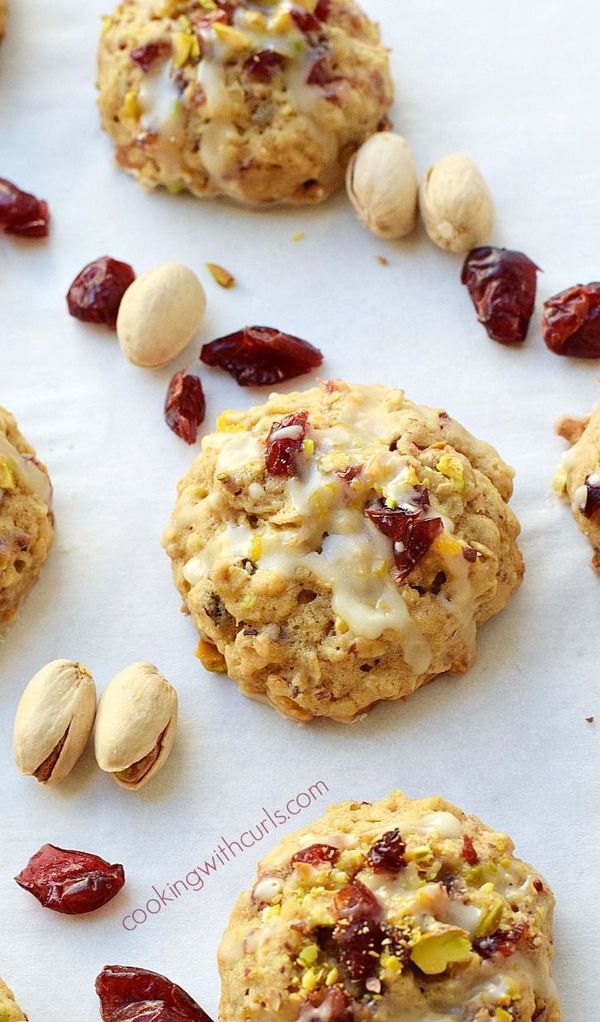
(9, 1009)
(54, 720)
(135, 725)
(159, 314)
(456, 205)
(381, 182)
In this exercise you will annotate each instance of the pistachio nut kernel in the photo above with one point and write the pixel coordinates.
(456, 205)
(381, 182)
(9, 1009)
(433, 952)
(135, 725)
(54, 721)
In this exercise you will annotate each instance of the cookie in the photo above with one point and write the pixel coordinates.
(3, 17)
(26, 521)
(341, 545)
(578, 478)
(9, 1009)
(399, 909)
(263, 102)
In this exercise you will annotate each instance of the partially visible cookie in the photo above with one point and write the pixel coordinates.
(9, 1009)
(3, 17)
(26, 521)
(578, 478)
(341, 545)
(394, 910)
(263, 102)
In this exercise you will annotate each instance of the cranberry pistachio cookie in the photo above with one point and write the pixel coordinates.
(26, 521)
(394, 910)
(3, 17)
(578, 478)
(263, 101)
(341, 545)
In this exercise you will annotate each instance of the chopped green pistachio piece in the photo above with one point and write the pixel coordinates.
(433, 952)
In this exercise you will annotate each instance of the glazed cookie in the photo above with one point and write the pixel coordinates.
(263, 101)
(3, 17)
(26, 522)
(578, 478)
(340, 546)
(394, 910)
(9, 1009)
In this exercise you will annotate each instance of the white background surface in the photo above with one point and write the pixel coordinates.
(513, 84)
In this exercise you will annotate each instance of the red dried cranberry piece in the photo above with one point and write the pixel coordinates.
(95, 294)
(69, 881)
(469, 554)
(185, 406)
(592, 498)
(129, 994)
(349, 474)
(502, 285)
(387, 854)
(262, 66)
(261, 355)
(571, 321)
(411, 533)
(321, 72)
(358, 934)
(147, 55)
(323, 9)
(502, 942)
(306, 22)
(538, 885)
(316, 854)
(332, 1005)
(284, 442)
(21, 213)
(468, 852)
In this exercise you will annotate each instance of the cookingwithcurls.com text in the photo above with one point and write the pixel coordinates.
(198, 877)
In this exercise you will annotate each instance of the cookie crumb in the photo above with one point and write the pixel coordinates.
(299, 236)
(571, 429)
(590, 720)
(382, 260)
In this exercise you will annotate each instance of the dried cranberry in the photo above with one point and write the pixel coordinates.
(469, 554)
(284, 442)
(321, 72)
(468, 852)
(502, 285)
(537, 883)
(502, 942)
(185, 406)
(323, 9)
(571, 321)
(70, 882)
(316, 854)
(387, 854)
(95, 294)
(129, 994)
(411, 533)
(21, 213)
(147, 55)
(350, 474)
(261, 355)
(263, 65)
(358, 934)
(306, 22)
(332, 1005)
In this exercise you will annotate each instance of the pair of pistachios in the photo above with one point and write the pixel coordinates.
(135, 720)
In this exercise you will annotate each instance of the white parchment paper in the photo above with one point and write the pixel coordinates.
(513, 84)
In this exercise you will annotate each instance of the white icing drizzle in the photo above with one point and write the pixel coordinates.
(31, 476)
(159, 99)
